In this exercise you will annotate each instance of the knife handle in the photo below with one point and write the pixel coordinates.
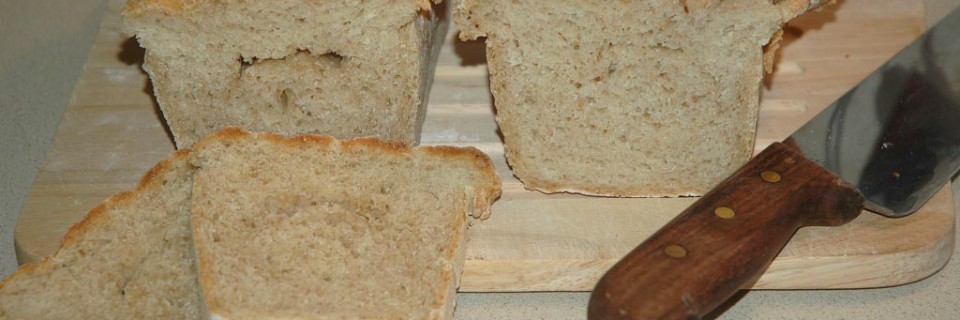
(725, 240)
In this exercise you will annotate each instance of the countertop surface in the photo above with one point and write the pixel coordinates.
(45, 43)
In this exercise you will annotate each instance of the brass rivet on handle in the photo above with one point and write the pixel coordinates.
(675, 251)
(724, 212)
(770, 176)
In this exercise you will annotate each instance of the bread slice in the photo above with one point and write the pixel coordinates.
(131, 258)
(342, 68)
(626, 98)
(312, 227)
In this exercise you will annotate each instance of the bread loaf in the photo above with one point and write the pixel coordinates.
(626, 98)
(252, 226)
(342, 68)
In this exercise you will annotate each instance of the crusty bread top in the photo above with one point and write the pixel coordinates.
(480, 161)
(171, 7)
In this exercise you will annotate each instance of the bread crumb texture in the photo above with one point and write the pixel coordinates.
(250, 226)
(342, 68)
(358, 229)
(626, 98)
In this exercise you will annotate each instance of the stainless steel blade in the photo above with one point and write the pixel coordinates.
(896, 135)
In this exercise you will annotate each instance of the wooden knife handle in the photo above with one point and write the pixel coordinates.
(725, 240)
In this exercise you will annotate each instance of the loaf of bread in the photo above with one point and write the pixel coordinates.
(341, 68)
(309, 226)
(132, 257)
(626, 98)
(252, 226)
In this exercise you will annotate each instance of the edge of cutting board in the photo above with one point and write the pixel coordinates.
(873, 251)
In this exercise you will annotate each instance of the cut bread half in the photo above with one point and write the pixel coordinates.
(307, 226)
(340, 68)
(626, 98)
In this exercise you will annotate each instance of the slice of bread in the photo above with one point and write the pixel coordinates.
(132, 257)
(626, 98)
(302, 227)
(342, 68)
(307, 226)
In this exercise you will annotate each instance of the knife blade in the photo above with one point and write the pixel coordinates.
(887, 146)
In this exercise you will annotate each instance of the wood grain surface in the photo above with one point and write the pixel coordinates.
(112, 132)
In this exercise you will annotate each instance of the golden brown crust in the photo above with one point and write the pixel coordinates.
(232, 133)
(316, 140)
(770, 51)
(443, 307)
(393, 147)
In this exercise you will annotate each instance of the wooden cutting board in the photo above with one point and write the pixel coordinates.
(112, 132)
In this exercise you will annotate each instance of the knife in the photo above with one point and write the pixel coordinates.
(887, 145)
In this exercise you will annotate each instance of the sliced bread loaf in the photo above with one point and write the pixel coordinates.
(626, 98)
(131, 258)
(311, 227)
(343, 68)
(259, 226)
